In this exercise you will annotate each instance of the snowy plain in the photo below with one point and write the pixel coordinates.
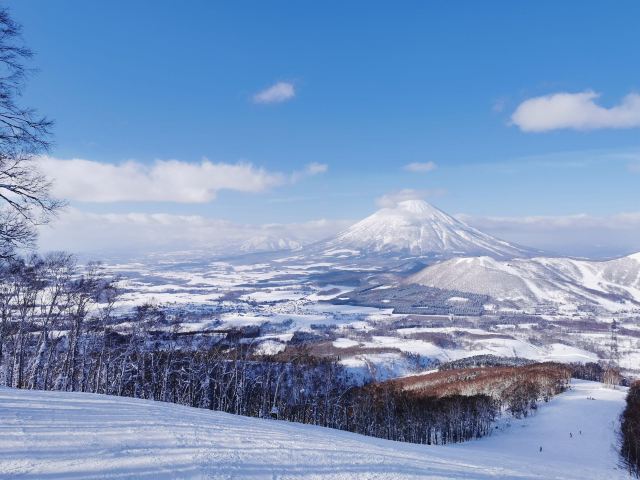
(228, 295)
(55, 435)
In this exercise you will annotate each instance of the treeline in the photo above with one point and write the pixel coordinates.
(595, 372)
(484, 361)
(630, 431)
(60, 330)
(515, 389)
(604, 372)
(386, 411)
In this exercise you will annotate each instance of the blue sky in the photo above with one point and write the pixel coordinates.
(377, 86)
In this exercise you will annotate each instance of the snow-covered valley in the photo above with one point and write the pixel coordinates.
(381, 324)
(307, 336)
(220, 259)
(85, 436)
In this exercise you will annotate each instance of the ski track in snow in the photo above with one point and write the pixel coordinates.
(55, 435)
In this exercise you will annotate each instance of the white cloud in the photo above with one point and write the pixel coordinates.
(390, 200)
(577, 111)
(634, 167)
(577, 235)
(316, 168)
(276, 93)
(420, 167)
(142, 233)
(163, 181)
(310, 170)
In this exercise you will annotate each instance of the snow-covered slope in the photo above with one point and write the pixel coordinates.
(613, 285)
(56, 435)
(417, 228)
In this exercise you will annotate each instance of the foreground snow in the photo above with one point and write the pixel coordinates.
(81, 436)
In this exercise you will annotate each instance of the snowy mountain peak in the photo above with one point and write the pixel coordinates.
(419, 207)
(417, 228)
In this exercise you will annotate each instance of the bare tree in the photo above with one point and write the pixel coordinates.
(25, 198)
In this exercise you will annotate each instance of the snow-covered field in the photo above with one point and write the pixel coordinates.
(288, 298)
(53, 435)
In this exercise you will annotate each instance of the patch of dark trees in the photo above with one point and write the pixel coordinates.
(599, 372)
(416, 299)
(630, 431)
(386, 411)
(484, 361)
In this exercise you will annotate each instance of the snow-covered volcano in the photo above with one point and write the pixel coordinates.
(417, 228)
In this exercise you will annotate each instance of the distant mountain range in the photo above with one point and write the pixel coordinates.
(269, 243)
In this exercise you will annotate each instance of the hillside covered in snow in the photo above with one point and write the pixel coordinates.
(57, 435)
(613, 285)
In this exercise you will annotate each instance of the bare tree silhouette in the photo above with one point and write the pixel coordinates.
(25, 197)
